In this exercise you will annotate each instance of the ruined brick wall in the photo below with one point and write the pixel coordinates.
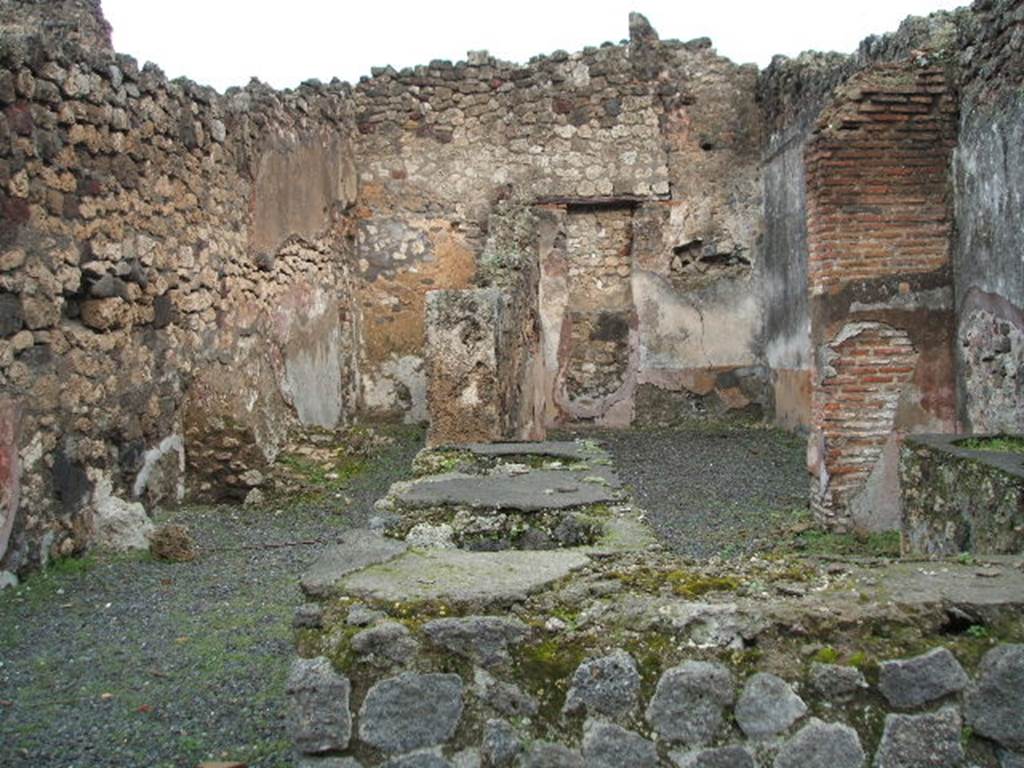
(620, 126)
(143, 314)
(792, 93)
(989, 182)
(879, 228)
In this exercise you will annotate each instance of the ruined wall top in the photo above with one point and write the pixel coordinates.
(793, 90)
(77, 21)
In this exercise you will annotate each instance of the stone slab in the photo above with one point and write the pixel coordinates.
(1011, 463)
(555, 449)
(358, 549)
(460, 576)
(534, 491)
(926, 583)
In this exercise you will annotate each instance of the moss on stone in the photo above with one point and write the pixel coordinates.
(545, 668)
(995, 444)
(681, 582)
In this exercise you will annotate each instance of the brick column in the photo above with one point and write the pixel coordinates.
(879, 228)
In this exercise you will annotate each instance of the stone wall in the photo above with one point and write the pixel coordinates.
(961, 498)
(168, 279)
(185, 275)
(483, 346)
(989, 180)
(502, 623)
(654, 136)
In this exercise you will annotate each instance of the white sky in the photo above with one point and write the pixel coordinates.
(225, 42)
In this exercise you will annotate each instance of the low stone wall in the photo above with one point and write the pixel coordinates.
(956, 499)
(417, 651)
(700, 714)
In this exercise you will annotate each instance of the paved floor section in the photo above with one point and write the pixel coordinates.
(533, 491)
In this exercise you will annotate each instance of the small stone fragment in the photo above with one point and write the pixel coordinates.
(688, 702)
(121, 525)
(722, 757)
(607, 686)
(319, 702)
(172, 542)
(908, 683)
(387, 642)
(411, 711)
(254, 498)
(427, 536)
(994, 705)
(767, 706)
(308, 616)
(361, 616)
(921, 741)
(546, 754)
(501, 744)
(606, 745)
(836, 682)
(484, 639)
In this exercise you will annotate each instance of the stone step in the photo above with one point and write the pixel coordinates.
(505, 496)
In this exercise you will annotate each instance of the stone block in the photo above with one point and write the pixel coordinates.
(994, 705)
(483, 639)
(319, 705)
(767, 706)
(411, 711)
(606, 745)
(822, 745)
(921, 741)
(608, 686)
(689, 702)
(909, 683)
(718, 757)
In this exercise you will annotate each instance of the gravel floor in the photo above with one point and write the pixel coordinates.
(134, 662)
(137, 663)
(713, 492)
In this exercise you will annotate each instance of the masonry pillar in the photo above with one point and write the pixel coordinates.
(881, 296)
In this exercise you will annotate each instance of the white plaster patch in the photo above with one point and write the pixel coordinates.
(936, 298)
(170, 443)
(33, 452)
(790, 351)
(313, 380)
(117, 524)
(381, 390)
(470, 395)
(701, 330)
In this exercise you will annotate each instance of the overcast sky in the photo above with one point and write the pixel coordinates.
(225, 42)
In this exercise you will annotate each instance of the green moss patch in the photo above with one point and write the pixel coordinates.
(995, 444)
